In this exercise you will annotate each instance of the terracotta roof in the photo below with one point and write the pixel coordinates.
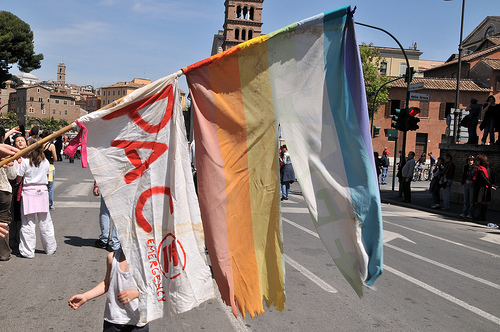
(431, 83)
(124, 85)
(470, 57)
(493, 63)
(61, 95)
(494, 39)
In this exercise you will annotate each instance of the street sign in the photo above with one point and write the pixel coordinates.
(416, 86)
(391, 132)
(420, 96)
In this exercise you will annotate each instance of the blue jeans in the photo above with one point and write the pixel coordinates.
(104, 222)
(50, 188)
(489, 129)
(384, 173)
(285, 189)
(468, 208)
(435, 194)
(446, 194)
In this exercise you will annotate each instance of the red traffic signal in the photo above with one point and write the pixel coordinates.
(412, 121)
(413, 111)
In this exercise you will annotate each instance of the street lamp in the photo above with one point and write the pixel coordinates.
(455, 120)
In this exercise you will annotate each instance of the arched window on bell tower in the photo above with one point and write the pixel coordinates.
(242, 22)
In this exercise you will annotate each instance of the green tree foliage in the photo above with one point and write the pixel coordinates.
(9, 120)
(16, 46)
(371, 61)
(46, 123)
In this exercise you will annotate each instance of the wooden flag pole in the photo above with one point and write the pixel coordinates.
(37, 144)
(52, 136)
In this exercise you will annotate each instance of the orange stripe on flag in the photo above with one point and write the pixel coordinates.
(263, 167)
(231, 122)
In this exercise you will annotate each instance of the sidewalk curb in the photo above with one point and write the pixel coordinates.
(429, 210)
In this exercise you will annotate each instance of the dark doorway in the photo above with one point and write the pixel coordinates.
(420, 145)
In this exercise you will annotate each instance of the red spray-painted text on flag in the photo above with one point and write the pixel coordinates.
(173, 257)
(139, 215)
(132, 111)
(131, 150)
(154, 266)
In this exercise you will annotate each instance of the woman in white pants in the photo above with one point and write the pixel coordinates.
(34, 171)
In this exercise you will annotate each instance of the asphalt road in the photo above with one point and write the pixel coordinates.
(439, 275)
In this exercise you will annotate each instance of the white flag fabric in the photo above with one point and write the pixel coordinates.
(138, 154)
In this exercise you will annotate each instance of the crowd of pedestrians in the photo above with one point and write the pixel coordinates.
(26, 198)
(27, 195)
(490, 123)
(477, 180)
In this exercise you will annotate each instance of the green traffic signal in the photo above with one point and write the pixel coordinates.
(399, 119)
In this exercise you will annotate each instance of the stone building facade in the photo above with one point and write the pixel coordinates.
(90, 103)
(116, 91)
(39, 102)
(110, 93)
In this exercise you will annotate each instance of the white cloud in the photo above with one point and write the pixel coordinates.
(75, 34)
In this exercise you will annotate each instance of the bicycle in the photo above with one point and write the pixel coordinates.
(420, 174)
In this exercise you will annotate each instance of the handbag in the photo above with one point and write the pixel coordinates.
(466, 121)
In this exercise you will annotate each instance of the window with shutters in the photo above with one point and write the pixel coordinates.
(424, 109)
(445, 109)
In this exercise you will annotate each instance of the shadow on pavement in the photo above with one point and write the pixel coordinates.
(77, 241)
(422, 200)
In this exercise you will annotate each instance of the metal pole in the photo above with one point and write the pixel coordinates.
(403, 148)
(459, 70)
(375, 98)
(394, 164)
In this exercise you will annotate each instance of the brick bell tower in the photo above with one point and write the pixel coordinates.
(61, 73)
(243, 21)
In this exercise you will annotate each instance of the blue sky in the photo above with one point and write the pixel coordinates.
(106, 41)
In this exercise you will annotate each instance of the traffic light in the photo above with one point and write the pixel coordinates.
(411, 120)
(399, 119)
(376, 131)
(409, 74)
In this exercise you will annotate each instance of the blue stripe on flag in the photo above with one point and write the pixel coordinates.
(346, 91)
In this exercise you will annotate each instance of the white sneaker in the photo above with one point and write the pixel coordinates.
(435, 206)
(462, 215)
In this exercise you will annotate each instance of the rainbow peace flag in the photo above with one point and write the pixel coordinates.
(306, 77)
